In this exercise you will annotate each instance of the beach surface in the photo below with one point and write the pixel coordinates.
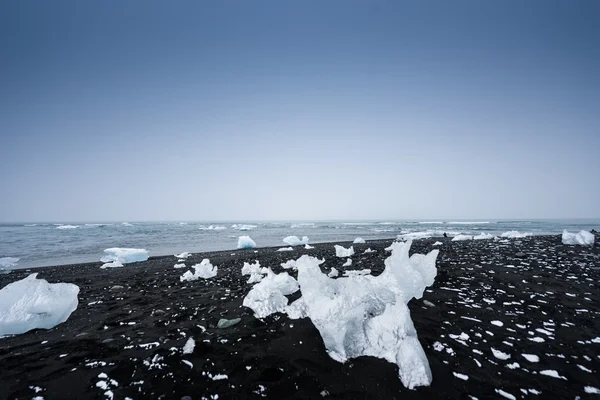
(515, 318)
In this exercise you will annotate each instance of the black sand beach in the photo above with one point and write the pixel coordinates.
(543, 297)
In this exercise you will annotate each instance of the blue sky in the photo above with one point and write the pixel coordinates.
(299, 110)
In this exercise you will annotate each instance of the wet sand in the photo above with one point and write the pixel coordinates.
(493, 301)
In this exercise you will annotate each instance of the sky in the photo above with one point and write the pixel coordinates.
(299, 110)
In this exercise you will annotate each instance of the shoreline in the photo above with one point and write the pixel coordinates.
(492, 303)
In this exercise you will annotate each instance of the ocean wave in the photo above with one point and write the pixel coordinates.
(468, 222)
(67, 227)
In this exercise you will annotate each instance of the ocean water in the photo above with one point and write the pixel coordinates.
(45, 244)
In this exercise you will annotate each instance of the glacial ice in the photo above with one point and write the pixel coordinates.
(515, 235)
(294, 241)
(243, 227)
(343, 252)
(333, 273)
(245, 242)
(368, 315)
(113, 264)
(359, 240)
(308, 246)
(124, 255)
(347, 263)
(483, 236)
(7, 262)
(254, 270)
(33, 303)
(286, 249)
(583, 238)
(289, 264)
(268, 296)
(204, 270)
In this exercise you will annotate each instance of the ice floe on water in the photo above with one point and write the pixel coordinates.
(8, 262)
(583, 238)
(124, 255)
(368, 315)
(295, 241)
(245, 242)
(33, 303)
(343, 252)
(204, 270)
(243, 227)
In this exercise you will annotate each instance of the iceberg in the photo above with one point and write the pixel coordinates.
(33, 303)
(583, 238)
(204, 270)
(515, 235)
(294, 241)
(268, 296)
(343, 252)
(245, 242)
(8, 262)
(359, 240)
(368, 315)
(124, 255)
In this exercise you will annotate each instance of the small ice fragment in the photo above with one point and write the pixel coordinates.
(342, 252)
(189, 346)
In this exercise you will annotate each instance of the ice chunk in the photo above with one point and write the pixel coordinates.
(33, 303)
(347, 263)
(515, 235)
(458, 238)
(417, 235)
(183, 256)
(343, 252)
(438, 243)
(254, 270)
(7, 262)
(114, 264)
(294, 241)
(286, 249)
(368, 315)
(483, 236)
(124, 255)
(357, 273)
(333, 273)
(584, 238)
(297, 309)
(189, 346)
(177, 266)
(289, 264)
(204, 270)
(245, 242)
(308, 246)
(359, 240)
(268, 296)
(369, 250)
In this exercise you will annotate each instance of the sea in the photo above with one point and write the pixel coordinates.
(26, 245)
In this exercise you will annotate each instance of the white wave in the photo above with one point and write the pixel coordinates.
(67, 227)
(431, 222)
(468, 222)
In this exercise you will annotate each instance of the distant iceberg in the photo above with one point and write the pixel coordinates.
(245, 242)
(583, 238)
(8, 262)
(294, 241)
(33, 303)
(124, 255)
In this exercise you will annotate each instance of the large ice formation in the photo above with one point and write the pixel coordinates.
(584, 238)
(367, 315)
(268, 296)
(294, 241)
(33, 303)
(245, 242)
(343, 252)
(204, 270)
(124, 255)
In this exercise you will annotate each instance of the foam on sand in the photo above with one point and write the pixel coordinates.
(294, 241)
(583, 238)
(33, 303)
(368, 315)
(124, 255)
(245, 242)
